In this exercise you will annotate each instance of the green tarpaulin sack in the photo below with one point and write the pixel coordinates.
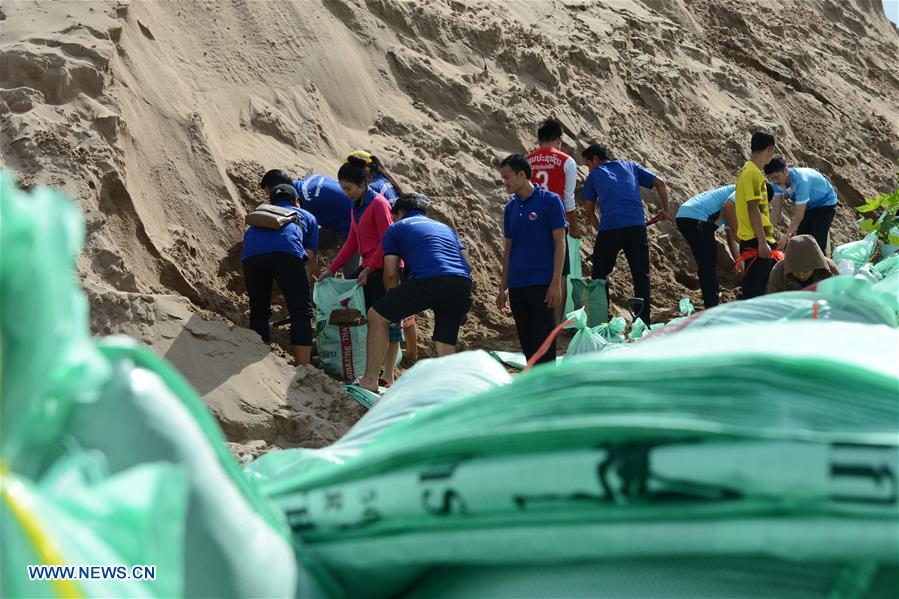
(575, 268)
(857, 252)
(591, 295)
(661, 470)
(117, 414)
(340, 347)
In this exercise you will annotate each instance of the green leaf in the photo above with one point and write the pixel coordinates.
(893, 239)
(866, 225)
(870, 206)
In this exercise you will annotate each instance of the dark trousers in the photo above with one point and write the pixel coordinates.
(290, 272)
(816, 222)
(755, 281)
(635, 244)
(700, 235)
(534, 320)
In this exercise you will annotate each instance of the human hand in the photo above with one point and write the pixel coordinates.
(554, 294)
(362, 279)
(764, 251)
(324, 274)
(501, 300)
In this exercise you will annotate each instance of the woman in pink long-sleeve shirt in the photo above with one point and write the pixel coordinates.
(369, 221)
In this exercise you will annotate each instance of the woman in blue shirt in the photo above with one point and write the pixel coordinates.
(280, 255)
(379, 178)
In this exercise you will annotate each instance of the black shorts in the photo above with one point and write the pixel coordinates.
(448, 297)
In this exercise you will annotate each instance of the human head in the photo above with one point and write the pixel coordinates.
(373, 167)
(776, 171)
(409, 202)
(515, 171)
(353, 180)
(272, 178)
(803, 256)
(596, 154)
(284, 192)
(762, 145)
(549, 133)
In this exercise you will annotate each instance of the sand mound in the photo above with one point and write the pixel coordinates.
(160, 117)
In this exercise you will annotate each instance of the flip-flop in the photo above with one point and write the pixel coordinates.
(383, 383)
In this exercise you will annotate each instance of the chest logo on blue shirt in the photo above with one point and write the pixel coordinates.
(532, 216)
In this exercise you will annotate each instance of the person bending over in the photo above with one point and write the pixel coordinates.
(813, 195)
(370, 219)
(439, 280)
(697, 219)
(621, 224)
(280, 255)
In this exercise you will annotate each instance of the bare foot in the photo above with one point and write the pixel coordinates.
(369, 385)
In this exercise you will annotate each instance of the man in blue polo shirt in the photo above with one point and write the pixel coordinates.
(533, 256)
(697, 219)
(813, 195)
(439, 280)
(280, 255)
(615, 185)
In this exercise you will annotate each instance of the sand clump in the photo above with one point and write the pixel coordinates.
(159, 118)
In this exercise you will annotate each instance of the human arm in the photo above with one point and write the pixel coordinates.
(659, 185)
(504, 278)
(391, 271)
(349, 248)
(381, 221)
(755, 219)
(776, 207)
(570, 168)
(554, 293)
(798, 215)
(733, 246)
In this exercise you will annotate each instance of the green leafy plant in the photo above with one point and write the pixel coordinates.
(887, 224)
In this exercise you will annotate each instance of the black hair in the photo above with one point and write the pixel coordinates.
(761, 140)
(550, 130)
(275, 177)
(411, 201)
(518, 164)
(375, 167)
(776, 165)
(597, 151)
(352, 172)
(770, 189)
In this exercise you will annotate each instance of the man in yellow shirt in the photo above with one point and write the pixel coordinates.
(754, 226)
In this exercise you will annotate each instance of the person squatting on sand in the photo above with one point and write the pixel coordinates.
(439, 280)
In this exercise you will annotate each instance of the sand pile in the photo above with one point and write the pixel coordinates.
(160, 117)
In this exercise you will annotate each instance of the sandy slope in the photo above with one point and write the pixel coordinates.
(160, 116)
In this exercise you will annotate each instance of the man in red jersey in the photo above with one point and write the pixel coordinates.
(555, 171)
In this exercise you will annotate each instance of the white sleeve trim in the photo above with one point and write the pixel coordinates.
(570, 168)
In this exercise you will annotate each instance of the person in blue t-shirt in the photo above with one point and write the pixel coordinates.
(697, 219)
(813, 195)
(322, 197)
(439, 279)
(621, 223)
(280, 255)
(533, 256)
(379, 178)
